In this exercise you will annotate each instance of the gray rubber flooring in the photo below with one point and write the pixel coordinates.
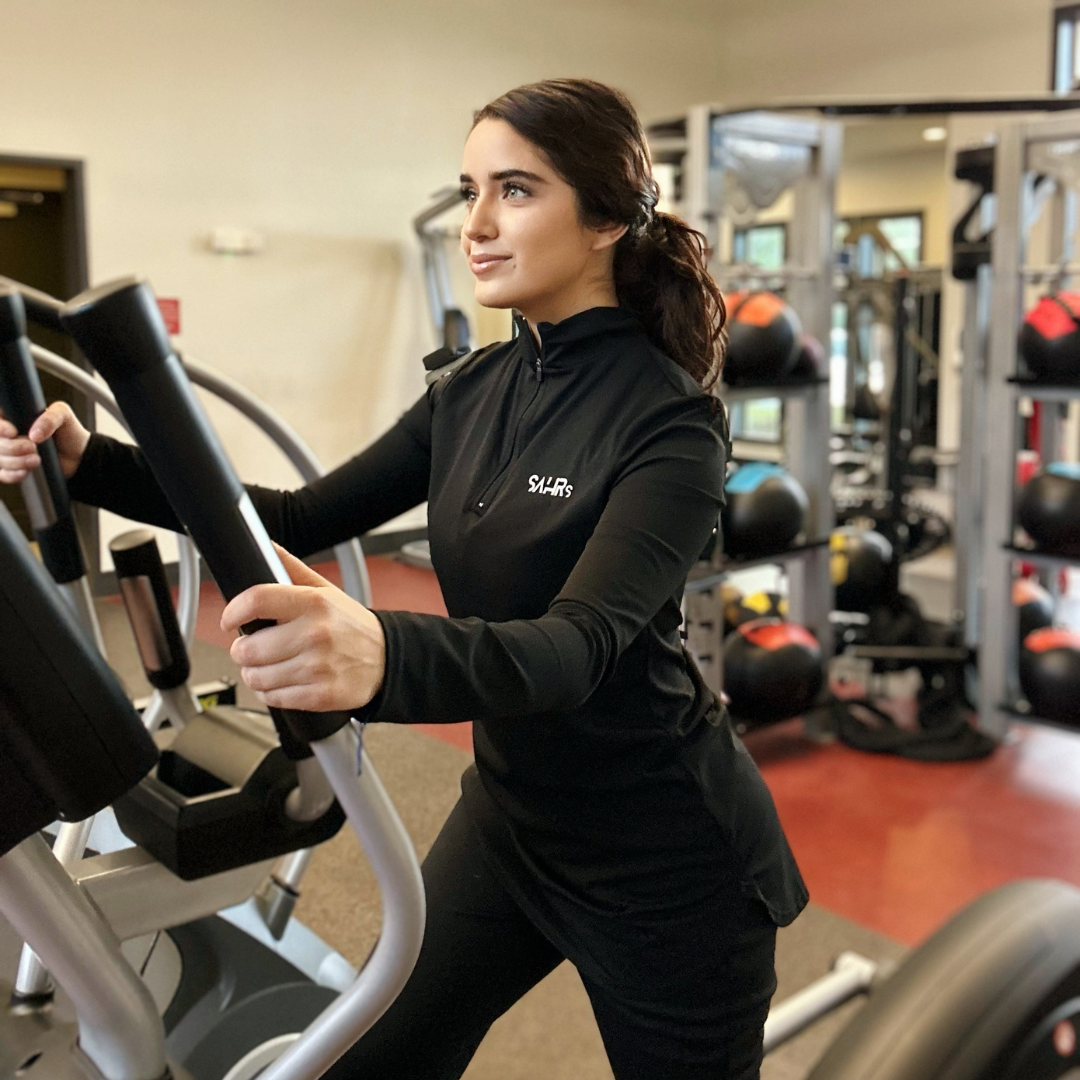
(550, 1034)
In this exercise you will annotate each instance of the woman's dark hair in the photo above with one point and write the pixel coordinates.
(592, 136)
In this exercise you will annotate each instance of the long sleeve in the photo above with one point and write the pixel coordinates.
(658, 517)
(386, 479)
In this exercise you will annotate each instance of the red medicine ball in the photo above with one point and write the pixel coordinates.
(1050, 338)
(1050, 674)
(773, 670)
(764, 338)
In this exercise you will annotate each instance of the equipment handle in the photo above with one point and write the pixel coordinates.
(120, 330)
(45, 489)
(41, 308)
(141, 576)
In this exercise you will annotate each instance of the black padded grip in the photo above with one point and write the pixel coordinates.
(41, 308)
(145, 590)
(70, 742)
(22, 403)
(120, 330)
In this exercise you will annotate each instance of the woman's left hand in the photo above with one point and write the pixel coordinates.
(327, 652)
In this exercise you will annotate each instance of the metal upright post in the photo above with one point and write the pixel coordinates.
(807, 415)
(970, 481)
(998, 636)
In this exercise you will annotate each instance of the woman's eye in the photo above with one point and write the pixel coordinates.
(515, 191)
(468, 195)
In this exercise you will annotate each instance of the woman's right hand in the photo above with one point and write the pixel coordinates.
(18, 453)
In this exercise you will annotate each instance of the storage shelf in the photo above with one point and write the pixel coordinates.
(1033, 388)
(1016, 712)
(730, 394)
(713, 575)
(1049, 558)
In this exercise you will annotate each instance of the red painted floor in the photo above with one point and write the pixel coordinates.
(896, 845)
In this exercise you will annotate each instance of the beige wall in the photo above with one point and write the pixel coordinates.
(897, 183)
(325, 124)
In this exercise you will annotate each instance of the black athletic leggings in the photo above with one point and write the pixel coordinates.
(481, 953)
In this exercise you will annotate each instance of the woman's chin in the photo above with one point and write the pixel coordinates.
(492, 295)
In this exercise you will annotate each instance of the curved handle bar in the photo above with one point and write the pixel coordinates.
(45, 489)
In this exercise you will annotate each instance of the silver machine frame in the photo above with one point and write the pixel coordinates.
(1031, 192)
(698, 151)
(433, 244)
(99, 901)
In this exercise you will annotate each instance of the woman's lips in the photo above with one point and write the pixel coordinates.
(482, 264)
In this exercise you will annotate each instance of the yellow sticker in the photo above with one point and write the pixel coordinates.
(759, 602)
(838, 567)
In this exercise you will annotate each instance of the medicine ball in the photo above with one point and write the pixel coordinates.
(773, 670)
(763, 339)
(739, 609)
(1034, 606)
(765, 511)
(1050, 338)
(1049, 508)
(1050, 674)
(860, 563)
(811, 360)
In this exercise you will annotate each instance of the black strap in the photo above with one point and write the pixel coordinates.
(439, 377)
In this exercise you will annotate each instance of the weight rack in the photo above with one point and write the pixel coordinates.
(732, 165)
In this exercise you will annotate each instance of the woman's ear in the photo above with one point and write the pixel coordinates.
(608, 235)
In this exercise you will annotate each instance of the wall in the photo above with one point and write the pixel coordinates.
(325, 124)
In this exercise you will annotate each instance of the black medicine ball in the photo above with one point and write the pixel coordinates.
(1050, 674)
(1049, 508)
(773, 670)
(811, 360)
(1034, 606)
(1050, 338)
(860, 562)
(764, 335)
(739, 609)
(766, 509)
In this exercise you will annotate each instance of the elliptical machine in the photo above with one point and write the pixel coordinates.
(138, 894)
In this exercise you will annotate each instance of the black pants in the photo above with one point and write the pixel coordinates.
(481, 953)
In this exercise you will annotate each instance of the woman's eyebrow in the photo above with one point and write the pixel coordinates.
(507, 174)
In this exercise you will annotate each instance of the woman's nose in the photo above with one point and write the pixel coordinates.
(480, 222)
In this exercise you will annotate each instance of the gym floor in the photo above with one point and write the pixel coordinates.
(889, 848)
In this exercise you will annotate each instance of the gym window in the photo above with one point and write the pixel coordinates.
(881, 243)
(760, 245)
(1065, 63)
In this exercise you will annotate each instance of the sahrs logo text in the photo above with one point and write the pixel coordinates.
(558, 486)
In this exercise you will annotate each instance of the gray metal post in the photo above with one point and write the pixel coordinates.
(970, 480)
(998, 633)
(119, 1027)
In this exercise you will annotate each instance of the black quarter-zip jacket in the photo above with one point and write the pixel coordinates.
(570, 488)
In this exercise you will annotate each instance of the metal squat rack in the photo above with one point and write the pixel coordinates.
(728, 168)
(1035, 174)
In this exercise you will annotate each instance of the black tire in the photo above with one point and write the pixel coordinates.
(964, 1002)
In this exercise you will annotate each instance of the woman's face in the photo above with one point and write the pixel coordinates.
(523, 236)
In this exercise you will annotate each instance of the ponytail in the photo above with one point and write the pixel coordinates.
(592, 136)
(661, 275)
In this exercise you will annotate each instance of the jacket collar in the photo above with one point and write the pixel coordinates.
(565, 343)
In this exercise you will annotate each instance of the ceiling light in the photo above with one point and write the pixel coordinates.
(935, 134)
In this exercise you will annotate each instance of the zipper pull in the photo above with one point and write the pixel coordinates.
(539, 370)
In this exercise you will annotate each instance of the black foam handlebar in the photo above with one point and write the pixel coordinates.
(41, 308)
(145, 590)
(22, 402)
(120, 329)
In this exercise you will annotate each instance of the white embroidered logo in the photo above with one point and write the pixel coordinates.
(558, 486)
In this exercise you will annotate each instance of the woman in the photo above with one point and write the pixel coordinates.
(573, 476)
